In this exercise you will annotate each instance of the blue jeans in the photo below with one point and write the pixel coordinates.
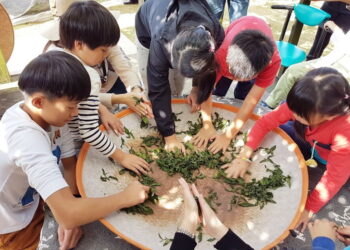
(236, 8)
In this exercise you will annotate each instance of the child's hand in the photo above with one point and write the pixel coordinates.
(138, 103)
(212, 225)
(343, 234)
(322, 228)
(68, 238)
(192, 100)
(221, 143)
(304, 219)
(111, 122)
(132, 162)
(135, 193)
(204, 135)
(237, 168)
(171, 144)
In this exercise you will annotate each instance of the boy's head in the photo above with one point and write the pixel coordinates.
(54, 83)
(249, 53)
(88, 30)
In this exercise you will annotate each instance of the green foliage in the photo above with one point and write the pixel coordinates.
(128, 133)
(144, 122)
(164, 240)
(151, 140)
(106, 177)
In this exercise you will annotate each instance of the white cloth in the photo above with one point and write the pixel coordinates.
(28, 167)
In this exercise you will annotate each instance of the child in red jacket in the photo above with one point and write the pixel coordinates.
(318, 108)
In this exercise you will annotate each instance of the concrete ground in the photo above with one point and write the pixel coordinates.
(29, 44)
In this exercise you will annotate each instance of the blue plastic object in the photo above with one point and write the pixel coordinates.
(309, 15)
(289, 53)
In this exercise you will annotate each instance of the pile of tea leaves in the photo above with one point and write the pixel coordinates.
(244, 194)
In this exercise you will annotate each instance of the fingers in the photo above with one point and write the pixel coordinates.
(107, 127)
(60, 233)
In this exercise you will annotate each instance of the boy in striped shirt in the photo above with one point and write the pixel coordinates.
(88, 31)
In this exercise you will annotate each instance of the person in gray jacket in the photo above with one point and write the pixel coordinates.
(181, 35)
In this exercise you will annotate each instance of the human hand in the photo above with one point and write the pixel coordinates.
(304, 219)
(221, 142)
(192, 100)
(205, 134)
(135, 193)
(68, 238)
(138, 103)
(111, 122)
(343, 234)
(190, 216)
(171, 144)
(237, 168)
(322, 227)
(211, 223)
(132, 162)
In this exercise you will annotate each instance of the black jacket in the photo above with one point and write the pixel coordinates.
(230, 241)
(157, 24)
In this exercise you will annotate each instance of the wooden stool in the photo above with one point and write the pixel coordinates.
(6, 44)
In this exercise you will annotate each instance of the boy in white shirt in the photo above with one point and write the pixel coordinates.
(53, 84)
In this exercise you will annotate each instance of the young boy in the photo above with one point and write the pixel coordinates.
(53, 84)
(88, 31)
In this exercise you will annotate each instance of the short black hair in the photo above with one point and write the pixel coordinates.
(249, 53)
(56, 74)
(322, 91)
(89, 22)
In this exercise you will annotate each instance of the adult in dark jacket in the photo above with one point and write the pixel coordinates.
(184, 238)
(181, 35)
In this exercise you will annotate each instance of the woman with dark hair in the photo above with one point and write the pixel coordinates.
(181, 35)
(317, 117)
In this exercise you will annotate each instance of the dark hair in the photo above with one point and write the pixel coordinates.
(205, 83)
(193, 51)
(56, 74)
(89, 22)
(249, 53)
(322, 91)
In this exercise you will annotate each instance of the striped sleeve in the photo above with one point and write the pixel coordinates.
(88, 125)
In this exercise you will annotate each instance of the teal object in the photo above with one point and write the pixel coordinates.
(309, 15)
(289, 53)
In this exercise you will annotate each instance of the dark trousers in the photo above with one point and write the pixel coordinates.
(315, 174)
(241, 91)
(118, 87)
(340, 16)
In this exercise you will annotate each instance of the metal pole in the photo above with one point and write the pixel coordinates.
(297, 27)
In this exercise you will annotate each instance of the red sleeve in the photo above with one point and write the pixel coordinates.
(336, 175)
(267, 123)
(268, 75)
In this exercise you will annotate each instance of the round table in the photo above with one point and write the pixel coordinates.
(262, 229)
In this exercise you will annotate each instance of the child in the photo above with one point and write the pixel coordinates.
(88, 31)
(53, 84)
(116, 72)
(318, 105)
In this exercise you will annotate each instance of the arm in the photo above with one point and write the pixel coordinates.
(160, 95)
(122, 66)
(222, 142)
(231, 241)
(71, 212)
(69, 165)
